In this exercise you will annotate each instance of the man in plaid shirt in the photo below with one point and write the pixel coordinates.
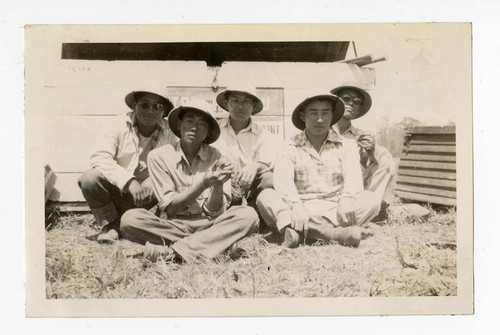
(319, 178)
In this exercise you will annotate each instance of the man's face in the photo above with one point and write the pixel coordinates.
(149, 109)
(353, 101)
(317, 116)
(193, 127)
(240, 106)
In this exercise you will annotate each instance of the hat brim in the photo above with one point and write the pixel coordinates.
(367, 104)
(222, 101)
(177, 113)
(338, 110)
(130, 100)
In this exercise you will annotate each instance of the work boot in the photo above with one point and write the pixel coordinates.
(291, 238)
(153, 252)
(347, 236)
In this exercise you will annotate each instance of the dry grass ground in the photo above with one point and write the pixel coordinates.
(405, 257)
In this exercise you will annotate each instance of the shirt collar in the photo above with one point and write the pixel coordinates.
(252, 126)
(203, 153)
(353, 130)
(301, 139)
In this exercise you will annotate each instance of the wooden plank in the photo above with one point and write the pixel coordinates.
(435, 138)
(427, 198)
(66, 188)
(50, 181)
(427, 181)
(74, 209)
(431, 148)
(430, 142)
(427, 165)
(426, 190)
(426, 173)
(431, 130)
(429, 157)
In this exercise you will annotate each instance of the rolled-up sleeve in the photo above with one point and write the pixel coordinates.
(351, 170)
(284, 175)
(163, 185)
(103, 157)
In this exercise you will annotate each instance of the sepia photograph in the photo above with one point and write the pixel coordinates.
(248, 170)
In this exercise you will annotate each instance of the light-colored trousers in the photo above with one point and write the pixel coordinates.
(191, 237)
(378, 177)
(276, 213)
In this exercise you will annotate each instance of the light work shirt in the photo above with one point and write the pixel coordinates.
(350, 133)
(172, 174)
(117, 150)
(303, 174)
(252, 144)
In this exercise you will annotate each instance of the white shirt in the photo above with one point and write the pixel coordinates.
(252, 144)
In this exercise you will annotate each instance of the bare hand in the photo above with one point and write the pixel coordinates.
(366, 142)
(139, 193)
(246, 175)
(345, 212)
(220, 173)
(300, 218)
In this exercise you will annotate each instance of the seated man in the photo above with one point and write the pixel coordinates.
(376, 161)
(119, 178)
(193, 187)
(250, 147)
(319, 179)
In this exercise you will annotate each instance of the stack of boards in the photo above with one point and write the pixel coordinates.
(427, 169)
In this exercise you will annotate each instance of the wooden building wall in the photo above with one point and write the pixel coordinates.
(77, 98)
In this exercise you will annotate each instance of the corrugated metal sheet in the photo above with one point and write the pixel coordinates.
(427, 170)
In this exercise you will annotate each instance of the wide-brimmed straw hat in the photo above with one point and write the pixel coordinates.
(131, 100)
(367, 104)
(338, 109)
(200, 106)
(248, 90)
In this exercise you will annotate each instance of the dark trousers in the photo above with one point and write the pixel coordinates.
(106, 201)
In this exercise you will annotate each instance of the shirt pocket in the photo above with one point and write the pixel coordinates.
(302, 177)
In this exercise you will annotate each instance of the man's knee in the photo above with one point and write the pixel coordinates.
(249, 216)
(130, 219)
(265, 197)
(90, 179)
(368, 201)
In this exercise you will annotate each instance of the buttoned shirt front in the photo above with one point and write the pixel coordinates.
(116, 153)
(302, 173)
(252, 144)
(172, 174)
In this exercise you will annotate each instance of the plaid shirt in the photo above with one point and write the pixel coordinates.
(302, 173)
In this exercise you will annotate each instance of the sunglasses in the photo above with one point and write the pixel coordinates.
(348, 99)
(146, 106)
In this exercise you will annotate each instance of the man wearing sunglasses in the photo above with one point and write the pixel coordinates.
(119, 177)
(377, 163)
